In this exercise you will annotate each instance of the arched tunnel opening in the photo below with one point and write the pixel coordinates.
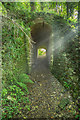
(40, 33)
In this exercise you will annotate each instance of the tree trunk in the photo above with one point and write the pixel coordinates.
(41, 5)
(32, 4)
(56, 6)
(67, 5)
(61, 8)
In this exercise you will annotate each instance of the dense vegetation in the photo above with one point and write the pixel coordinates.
(16, 41)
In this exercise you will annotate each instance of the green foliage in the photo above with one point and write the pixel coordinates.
(77, 117)
(4, 92)
(22, 85)
(65, 70)
(15, 91)
(25, 79)
(13, 99)
(66, 85)
(15, 53)
(28, 107)
(4, 12)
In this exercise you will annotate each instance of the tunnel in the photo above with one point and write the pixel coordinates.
(40, 31)
(41, 35)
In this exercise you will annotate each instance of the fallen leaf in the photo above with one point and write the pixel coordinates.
(70, 106)
(52, 117)
(40, 84)
(48, 108)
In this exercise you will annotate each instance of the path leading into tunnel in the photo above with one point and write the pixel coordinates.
(48, 97)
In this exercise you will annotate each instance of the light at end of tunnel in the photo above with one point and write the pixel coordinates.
(41, 52)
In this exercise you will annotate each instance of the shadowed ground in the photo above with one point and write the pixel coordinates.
(48, 97)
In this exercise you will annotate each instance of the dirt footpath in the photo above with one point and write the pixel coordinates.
(49, 99)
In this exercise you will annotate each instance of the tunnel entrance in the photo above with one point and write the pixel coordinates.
(41, 34)
(40, 30)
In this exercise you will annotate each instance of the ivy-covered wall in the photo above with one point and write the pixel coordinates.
(65, 58)
(15, 51)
